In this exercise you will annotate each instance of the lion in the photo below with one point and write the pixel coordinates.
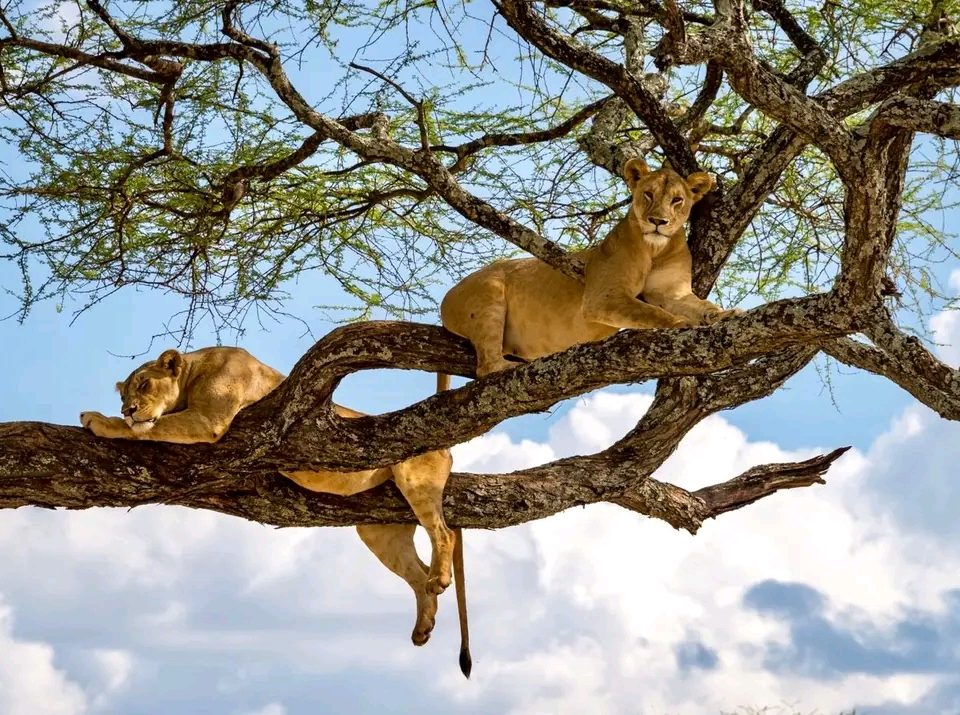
(187, 398)
(638, 277)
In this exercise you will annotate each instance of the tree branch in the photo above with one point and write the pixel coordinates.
(921, 115)
(813, 57)
(499, 139)
(63, 467)
(309, 428)
(727, 43)
(902, 359)
(765, 480)
(932, 67)
(527, 23)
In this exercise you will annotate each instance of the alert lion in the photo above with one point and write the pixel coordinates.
(193, 397)
(638, 277)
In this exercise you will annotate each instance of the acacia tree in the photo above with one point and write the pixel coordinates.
(220, 149)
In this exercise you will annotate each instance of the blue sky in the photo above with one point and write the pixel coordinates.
(839, 596)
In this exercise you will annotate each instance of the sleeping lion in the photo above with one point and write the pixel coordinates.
(186, 398)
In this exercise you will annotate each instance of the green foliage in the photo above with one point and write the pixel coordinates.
(96, 198)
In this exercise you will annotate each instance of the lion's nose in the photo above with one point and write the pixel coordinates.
(128, 411)
(657, 221)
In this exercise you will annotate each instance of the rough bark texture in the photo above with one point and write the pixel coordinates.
(700, 371)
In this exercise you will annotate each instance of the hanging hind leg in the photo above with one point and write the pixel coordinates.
(476, 309)
(393, 545)
(421, 480)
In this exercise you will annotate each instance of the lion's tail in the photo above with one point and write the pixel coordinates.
(466, 662)
(443, 382)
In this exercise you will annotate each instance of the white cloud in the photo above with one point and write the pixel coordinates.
(945, 327)
(638, 591)
(30, 682)
(113, 669)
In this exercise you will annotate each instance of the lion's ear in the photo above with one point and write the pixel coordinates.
(633, 170)
(120, 387)
(171, 360)
(699, 183)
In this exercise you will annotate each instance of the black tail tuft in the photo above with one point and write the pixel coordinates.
(466, 663)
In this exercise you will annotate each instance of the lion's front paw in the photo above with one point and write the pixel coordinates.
(681, 322)
(103, 426)
(88, 418)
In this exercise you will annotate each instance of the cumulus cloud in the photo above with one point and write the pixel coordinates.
(820, 597)
(166, 604)
(30, 682)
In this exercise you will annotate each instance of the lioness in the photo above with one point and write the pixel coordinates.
(638, 277)
(193, 397)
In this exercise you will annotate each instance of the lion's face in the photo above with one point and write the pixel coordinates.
(152, 389)
(662, 199)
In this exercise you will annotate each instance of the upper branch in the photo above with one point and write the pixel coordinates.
(306, 423)
(500, 139)
(930, 68)
(374, 146)
(713, 234)
(921, 115)
(727, 43)
(813, 55)
(531, 26)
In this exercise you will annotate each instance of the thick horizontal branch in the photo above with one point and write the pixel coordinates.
(932, 67)
(294, 426)
(457, 415)
(62, 467)
(921, 115)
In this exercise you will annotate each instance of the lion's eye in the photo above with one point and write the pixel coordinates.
(677, 200)
(648, 196)
(142, 387)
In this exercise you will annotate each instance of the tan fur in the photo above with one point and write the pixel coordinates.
(638, 277)
(187, 398)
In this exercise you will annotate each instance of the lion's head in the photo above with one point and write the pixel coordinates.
(662, 199)
(152, 389)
